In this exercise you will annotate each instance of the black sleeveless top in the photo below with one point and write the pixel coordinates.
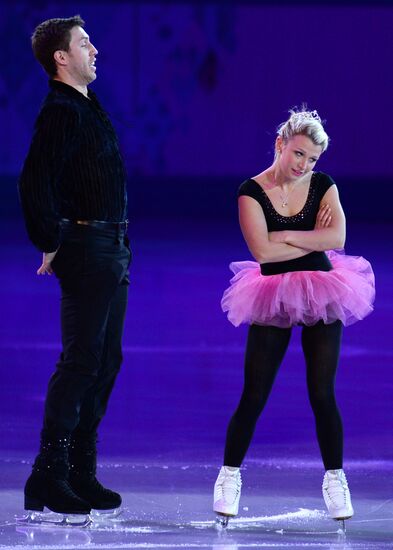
(302, 221)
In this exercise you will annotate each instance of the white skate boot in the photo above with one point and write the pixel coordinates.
(227, 494)
(336, 495)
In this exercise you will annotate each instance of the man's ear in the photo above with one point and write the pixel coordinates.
(60, 57)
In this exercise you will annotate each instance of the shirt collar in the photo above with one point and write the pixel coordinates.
(70, 90)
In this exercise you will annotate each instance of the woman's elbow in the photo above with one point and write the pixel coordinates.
(338, 241)
(259, 256)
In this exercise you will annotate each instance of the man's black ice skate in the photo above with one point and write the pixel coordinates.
(55, 494)
(83, 467)
(48, 487)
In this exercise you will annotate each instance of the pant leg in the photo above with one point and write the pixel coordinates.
(266, 347)
(97, 396)
(321, 345)
(90, 268)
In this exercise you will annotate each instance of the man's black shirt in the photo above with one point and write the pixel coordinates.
(74, 168)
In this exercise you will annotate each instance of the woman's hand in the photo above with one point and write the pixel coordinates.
(329, 227)
(324, 217)
(45, 268)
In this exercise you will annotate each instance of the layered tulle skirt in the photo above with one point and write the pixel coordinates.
(345, 293)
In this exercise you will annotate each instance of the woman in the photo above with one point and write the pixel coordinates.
(289, 216)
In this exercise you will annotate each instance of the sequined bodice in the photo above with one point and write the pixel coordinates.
(305, 219)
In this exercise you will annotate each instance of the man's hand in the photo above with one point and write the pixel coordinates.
(324, 217)
(45, 268)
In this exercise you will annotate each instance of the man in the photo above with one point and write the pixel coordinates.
(73, 194)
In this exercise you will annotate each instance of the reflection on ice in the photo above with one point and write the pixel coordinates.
(53, 536)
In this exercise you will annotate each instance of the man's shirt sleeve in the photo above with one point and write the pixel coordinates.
(56, 131)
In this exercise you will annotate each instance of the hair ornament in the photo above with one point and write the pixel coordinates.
(304, 122)
(307, 115)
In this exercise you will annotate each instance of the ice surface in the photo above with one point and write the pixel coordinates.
(159, 514)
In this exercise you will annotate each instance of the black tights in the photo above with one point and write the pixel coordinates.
(266, 347)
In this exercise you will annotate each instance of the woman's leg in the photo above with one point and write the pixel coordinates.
(321, 346)
(266, 346)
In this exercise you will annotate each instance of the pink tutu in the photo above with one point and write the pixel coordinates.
(301, 297)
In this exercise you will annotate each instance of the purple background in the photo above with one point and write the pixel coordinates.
(196, 90)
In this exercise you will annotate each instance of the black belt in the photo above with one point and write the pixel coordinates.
(99, 224)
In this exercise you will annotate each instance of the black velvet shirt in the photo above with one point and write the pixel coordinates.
(74, 168)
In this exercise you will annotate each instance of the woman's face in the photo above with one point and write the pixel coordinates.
(298, 156)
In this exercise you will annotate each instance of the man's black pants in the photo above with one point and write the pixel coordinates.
(92, 267)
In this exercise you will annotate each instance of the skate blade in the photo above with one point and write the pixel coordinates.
(222, 521)
(53, 519)
(104, 515)
(342, 530)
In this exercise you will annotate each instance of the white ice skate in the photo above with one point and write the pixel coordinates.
(227, 494)
(337, 496)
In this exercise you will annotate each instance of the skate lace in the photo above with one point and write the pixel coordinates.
(91, 484)
(100, 488)
(231, 487)
(336, 488)
(66, 489)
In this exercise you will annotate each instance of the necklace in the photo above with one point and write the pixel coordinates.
(284, 197)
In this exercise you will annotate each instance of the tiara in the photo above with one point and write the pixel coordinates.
(306, 115)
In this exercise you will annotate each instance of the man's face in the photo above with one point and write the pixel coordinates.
(81, 57)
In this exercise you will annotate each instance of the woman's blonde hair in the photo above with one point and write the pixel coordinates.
(306, 123)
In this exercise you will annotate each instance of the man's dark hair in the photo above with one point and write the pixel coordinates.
(50, 36)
